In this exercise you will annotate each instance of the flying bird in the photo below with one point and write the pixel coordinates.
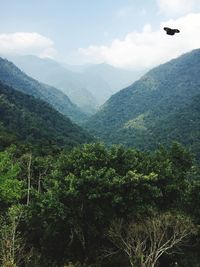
(170, 31)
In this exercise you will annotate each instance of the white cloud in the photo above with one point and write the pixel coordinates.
(23, 43)
(139, 50)
(177, 7)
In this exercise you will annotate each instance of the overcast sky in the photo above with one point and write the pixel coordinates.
(123, 33)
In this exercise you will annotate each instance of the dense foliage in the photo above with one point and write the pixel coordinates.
(14, 77)
(24, 119)
(62, 207)
(63, 204)
(162, 106)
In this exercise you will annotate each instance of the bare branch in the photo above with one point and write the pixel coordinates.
(149, 239)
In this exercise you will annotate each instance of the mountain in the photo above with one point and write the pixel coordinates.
(104, 79)
(14, 77)
(116, 78)
(88, 86)
(74, 85)
(25, 119)
(160, 107)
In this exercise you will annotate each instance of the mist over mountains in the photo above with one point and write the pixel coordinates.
(159, 108)
(100, 133)
(72, 186)
(14, 77)
(88, 86)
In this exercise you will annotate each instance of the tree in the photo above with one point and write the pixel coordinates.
(12, 243)
(146, 241)
(10, 186)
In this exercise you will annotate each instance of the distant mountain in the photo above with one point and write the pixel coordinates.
(71, 83)
(76, 68)
(112, 78)
(88, 86)
(14, 77)
(160, 107)
(25, 119)
(116, 78)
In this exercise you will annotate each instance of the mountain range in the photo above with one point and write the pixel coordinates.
(14, 77)
(160, 107)
(88, 86)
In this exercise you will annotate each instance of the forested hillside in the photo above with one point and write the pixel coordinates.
(100, 133)
(29, 121)
(85, 207)
(162, 106)
(14, 77)
(65, 204)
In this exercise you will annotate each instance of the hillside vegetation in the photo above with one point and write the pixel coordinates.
(67, 202)
(14, 77)
(26, 120)
(76, 208)
(160, 107)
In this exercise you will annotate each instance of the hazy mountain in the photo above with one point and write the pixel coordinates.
(13, 76)
(88, 86)
(77, 68)
(25, 119)
(160, 107)
(74, 85)
(116, 78)
(112, 77)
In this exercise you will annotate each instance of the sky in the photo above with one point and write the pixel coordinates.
(124, 33)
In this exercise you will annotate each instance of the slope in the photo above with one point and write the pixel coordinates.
(88, 86)
(24, 119)
(116, 78)
(14, 77)
(145, 113)
(54, 74)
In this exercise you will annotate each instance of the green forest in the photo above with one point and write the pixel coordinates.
(161, 107)
(128, 199)
(25, 120)
(99, 133)
(96, 206)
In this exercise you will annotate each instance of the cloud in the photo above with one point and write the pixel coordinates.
(23, 43)
(177, 7)
(148, 48)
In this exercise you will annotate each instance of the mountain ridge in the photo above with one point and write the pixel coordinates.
(25, 119)
(129, 115)
(88, 86)
(14, 77)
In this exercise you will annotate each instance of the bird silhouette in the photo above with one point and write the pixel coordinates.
(170, 31)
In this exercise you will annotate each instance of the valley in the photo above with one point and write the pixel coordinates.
(82, 179)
